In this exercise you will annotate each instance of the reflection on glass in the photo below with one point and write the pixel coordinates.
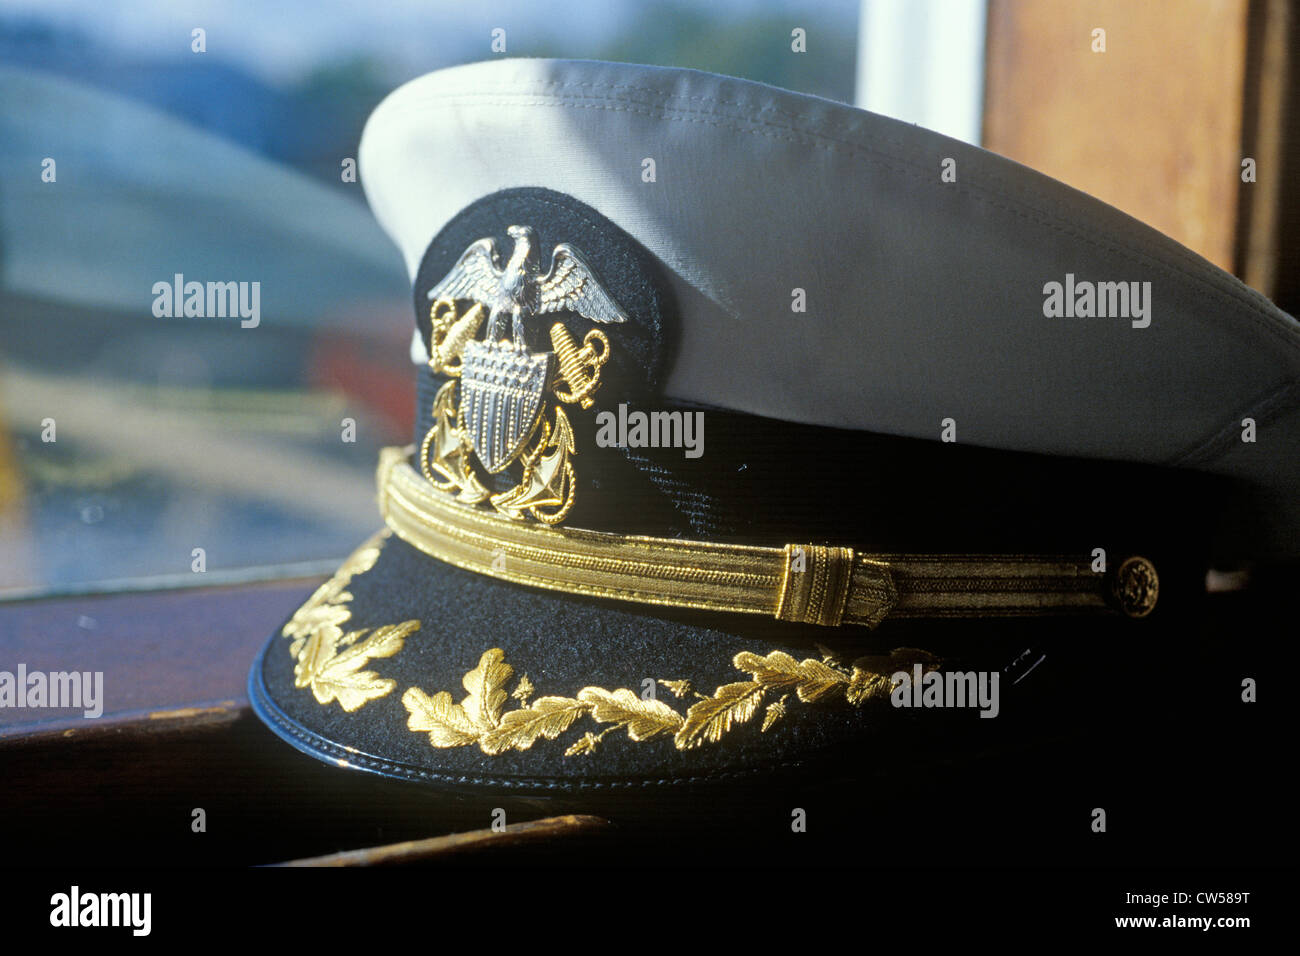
(203, 333)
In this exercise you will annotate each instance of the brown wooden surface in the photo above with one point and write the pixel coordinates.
(124, 794)
(1152, 126)
(122, 791)
(165, 655)
(454, 845)
(1268, 123)
(177, 734)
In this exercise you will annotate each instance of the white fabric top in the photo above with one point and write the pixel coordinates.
(925, 299)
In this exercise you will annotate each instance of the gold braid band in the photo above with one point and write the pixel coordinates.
(805, 583)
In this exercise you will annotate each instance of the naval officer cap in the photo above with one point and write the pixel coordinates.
(733, 406)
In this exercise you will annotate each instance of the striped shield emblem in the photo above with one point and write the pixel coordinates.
(501, 393)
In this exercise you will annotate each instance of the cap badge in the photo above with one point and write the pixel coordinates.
(503, 416)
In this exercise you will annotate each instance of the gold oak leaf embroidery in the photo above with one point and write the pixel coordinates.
(523, 691)
(712, 717)
(583, 745)
(450, 724)
(680, 688)
(329, 661)
(480, 717)
(622, 708)
(809, 678)
(547, 717)
(327, 608)
(485, 685)
(446, 722)
(312, 619)
(331, 666)
(873, 675)
(775, 711)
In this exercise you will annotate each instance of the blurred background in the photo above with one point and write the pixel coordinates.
(228, 164)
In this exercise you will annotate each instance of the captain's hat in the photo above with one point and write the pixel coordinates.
(733, 407)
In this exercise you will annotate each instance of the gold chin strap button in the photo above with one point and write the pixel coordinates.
(815, 584)
(1135, 587)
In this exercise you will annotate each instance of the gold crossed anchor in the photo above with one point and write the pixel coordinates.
(579, 368)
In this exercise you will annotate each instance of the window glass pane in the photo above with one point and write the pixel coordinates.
(203, 333)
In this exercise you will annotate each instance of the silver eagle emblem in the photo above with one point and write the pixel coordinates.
(519, 289)
(504, 384)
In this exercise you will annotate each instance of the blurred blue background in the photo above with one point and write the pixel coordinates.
(294, 81)
(173, 434)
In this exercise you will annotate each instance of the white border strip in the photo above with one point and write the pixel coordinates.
(922, 61)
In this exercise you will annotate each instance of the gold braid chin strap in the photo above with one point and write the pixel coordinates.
(805, 583)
